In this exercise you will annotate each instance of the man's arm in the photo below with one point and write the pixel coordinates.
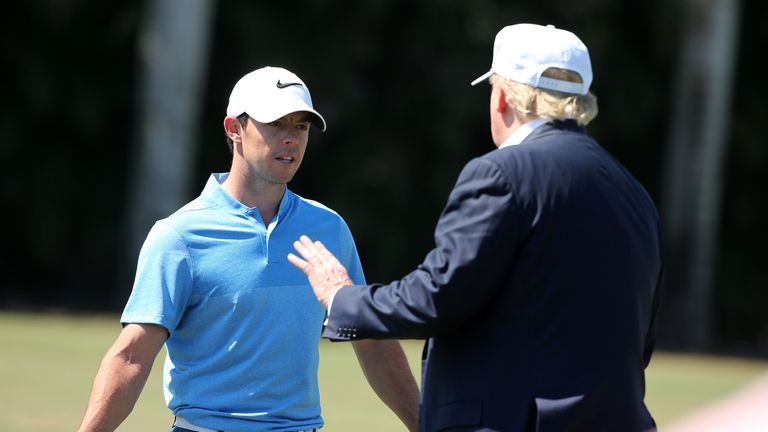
(386, 368)
(479, 232)
(121, 376)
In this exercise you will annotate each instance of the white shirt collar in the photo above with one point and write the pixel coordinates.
(522, 132)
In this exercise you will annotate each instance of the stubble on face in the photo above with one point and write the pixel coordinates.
(274, 151)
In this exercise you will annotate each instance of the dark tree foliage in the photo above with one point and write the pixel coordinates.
(392, 80)
(741, 293)
(65, 140)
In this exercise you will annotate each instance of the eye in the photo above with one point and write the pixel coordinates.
(303, 126)
(275, 123)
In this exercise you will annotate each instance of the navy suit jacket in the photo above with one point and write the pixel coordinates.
(538, 300)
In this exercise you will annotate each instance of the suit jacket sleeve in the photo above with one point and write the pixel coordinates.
(650, 337)
(475, 239)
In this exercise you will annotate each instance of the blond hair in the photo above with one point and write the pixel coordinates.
(549, 104)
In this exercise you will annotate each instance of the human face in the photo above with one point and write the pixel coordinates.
(273, 151)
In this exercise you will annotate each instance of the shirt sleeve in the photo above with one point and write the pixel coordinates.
(163, 283)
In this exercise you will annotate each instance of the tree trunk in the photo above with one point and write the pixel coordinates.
(694, 171)
(173, 57)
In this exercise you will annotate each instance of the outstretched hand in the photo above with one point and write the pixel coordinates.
(324, 271)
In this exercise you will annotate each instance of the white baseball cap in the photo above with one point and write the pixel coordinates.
(269, 93)
(521, 52)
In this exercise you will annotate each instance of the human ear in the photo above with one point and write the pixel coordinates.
(501, 102)
(232, 129)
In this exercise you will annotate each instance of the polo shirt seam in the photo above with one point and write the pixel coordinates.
(188, 257)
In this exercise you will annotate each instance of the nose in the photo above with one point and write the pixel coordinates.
(291, 136)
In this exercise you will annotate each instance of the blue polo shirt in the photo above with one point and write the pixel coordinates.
(244, 323)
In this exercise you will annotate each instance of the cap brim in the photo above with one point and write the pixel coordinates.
(314, 116)
(318, 120)
(482, 77)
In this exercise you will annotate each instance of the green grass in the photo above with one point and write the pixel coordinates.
(47, 363)
(677, 383)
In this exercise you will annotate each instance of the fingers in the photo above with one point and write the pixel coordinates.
(300, 263)
(321, 250)
(311, 250)
(315, 255)
(324, 271)
(305, 247)
(308, 252)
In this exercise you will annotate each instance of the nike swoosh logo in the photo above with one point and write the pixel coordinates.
(281, 85)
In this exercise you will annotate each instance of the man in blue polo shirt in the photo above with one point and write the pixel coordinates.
(240, 324)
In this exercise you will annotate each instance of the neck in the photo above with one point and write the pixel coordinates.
(254, 193)
(507, 123)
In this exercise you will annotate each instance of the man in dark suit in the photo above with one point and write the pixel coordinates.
(539, 297)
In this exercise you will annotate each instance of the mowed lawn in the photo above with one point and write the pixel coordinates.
(47, 364)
